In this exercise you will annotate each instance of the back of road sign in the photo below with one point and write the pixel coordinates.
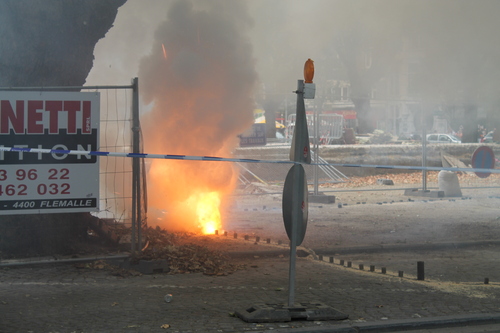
(295, 202)
(301, 149)
(483, 158)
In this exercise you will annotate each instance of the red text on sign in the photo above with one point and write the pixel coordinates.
(34, 117)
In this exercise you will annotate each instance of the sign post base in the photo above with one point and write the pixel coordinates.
(279, 312)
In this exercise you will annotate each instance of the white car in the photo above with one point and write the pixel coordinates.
(442, 138)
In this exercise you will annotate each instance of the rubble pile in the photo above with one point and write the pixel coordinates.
(186, 253)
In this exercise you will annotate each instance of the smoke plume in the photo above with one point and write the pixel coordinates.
(200, 79)
(200, 90)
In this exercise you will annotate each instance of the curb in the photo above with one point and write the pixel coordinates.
(36, 262)
(404, 247)
(401, 325)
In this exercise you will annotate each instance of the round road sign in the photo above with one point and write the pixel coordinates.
(483, 158)
(295, 202)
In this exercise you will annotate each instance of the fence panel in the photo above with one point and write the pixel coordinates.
(116, 200)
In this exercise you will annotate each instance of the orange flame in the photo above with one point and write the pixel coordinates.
(187, 196)
(207, 211)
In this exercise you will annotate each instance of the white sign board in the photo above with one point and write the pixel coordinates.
(33, 183)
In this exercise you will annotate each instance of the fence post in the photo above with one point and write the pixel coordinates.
(136, 188)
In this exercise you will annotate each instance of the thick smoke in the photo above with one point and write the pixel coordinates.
(200, 79)
(457, 39)
(207, 44)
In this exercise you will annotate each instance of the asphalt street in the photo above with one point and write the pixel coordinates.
(64, 298)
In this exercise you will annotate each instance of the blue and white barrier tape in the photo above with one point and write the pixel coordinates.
(242, 160)
(138, 155)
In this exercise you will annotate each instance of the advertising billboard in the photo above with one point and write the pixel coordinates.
(255, 136)
(33, 183)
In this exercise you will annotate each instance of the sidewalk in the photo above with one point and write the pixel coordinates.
(63, 298)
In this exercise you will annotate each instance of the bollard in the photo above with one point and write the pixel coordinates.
(341, 262)
(257, 239)
(331, 260)
(384, 270)
(486, 280)
(372, 268)
(349, 264)
(235, 235)
(420, 271)
(225, 233)
(320, 257)
(268, 241)
(361, 267)
(400, 274)
(246, 237)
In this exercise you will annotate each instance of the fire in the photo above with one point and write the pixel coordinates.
(208, 213)
(186, 198)
(199, 100)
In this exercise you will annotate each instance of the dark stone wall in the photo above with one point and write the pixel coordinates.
(51, 42)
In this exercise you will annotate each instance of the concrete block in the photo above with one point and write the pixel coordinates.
(422, 193)
(321, 198)
(449, 184)
(385, 182)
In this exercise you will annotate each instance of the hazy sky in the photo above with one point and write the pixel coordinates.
(284, 33)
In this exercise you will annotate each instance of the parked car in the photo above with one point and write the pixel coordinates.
(442, 138)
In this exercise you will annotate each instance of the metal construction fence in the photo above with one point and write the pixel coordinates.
(122, 183)
(270, 174)
(328, 127)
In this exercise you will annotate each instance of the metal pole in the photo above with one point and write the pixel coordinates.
(424, 161)
(424, 150)
(62, 88)
(137, 127)
(286, 120)
(136, 210)
(293, 239)
(316, 149)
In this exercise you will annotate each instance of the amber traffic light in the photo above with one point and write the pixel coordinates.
(309, 71)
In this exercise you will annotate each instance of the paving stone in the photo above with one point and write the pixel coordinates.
(203, 302)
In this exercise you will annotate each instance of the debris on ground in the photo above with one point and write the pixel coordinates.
(108, 267)
(186, 253)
